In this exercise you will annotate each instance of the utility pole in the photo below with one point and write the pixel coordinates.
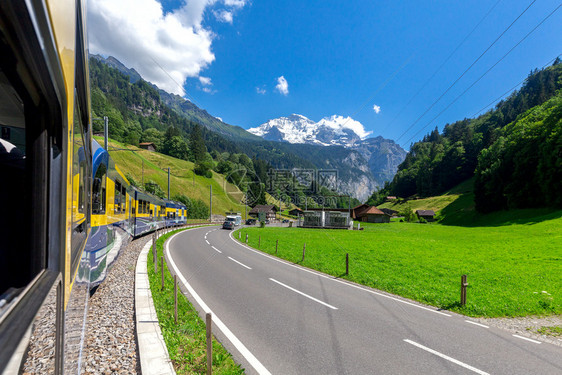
(105, 132)
(211, 204)
(168, 183)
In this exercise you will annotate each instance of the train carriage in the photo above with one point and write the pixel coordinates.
(111, 227)
(147, 212)
(175, 213)
(45, 164)
(67, 209)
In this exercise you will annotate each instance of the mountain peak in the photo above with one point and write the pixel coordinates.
(335, 130)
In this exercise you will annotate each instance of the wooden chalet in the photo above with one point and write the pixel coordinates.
(267, 211)
(428, 215)
(373, 215)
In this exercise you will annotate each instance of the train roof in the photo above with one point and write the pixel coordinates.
(174, 204)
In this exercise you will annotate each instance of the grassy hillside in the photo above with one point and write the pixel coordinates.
(461, 197)
(130, 160)
(456, 207)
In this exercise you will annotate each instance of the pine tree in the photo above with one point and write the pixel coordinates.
(197, 144)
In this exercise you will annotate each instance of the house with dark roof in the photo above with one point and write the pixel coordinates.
(295, 212)
(148, 146)
(373, 215)
(428, 215)
(265, 211)
(356, 211)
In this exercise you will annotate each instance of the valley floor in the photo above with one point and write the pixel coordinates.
(513, 267)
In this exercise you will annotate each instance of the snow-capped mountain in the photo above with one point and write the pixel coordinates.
(374, 160)
(330, 131)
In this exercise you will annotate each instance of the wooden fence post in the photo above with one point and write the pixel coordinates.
(162, 269)
(347, 263)
(154, 258)
(209, 321)
(464, 284)
(176, 299)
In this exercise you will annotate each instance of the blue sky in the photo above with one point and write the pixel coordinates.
(337, 57)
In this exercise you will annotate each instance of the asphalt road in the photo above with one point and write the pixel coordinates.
(279, 318)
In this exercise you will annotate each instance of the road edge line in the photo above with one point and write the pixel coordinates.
(245, 352)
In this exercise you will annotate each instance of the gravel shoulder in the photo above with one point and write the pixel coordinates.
(527, 326)
(110, 342)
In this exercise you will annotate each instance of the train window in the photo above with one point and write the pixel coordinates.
(98, 190)
(117, 197)
(78, 184)
(123, 198)
(80, 179)
(13, 167)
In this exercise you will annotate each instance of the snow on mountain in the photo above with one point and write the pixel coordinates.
(335, 130)
(372, 160)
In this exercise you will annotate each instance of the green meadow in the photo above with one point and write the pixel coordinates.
(513, 260)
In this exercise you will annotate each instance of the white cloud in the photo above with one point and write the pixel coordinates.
(337, 122)
(235, 3)
(282, 86)
(377, 109)
(260, 90)
(206, 81)
(165, 48)
(223, 16)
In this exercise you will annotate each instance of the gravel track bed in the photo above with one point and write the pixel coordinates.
(110, 342)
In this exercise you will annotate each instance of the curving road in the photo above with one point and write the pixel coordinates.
(278, 318)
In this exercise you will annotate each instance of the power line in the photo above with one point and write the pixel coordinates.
(442, 65)
(511, 89)
(487, 71)
(176, 82)
(466, 71)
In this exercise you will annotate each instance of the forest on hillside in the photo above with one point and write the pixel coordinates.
(514, 150)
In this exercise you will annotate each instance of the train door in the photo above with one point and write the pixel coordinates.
(131, 217)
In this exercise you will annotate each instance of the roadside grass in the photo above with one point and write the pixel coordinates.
(186, 340)
(555, 331)
(513, 268)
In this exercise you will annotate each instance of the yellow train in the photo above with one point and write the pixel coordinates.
(67, 210)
